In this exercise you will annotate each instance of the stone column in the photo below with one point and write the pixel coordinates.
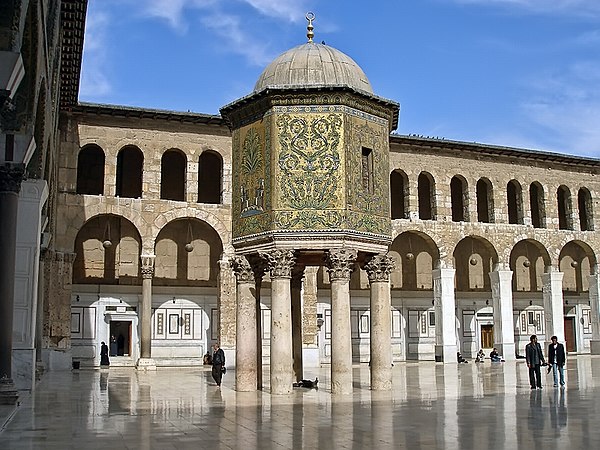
(594, 298)
(445, 315)
(226, 306)
(340, 264)
(11, 176)
(553, 304)
(296, 293)
(245, 340)
(280, 264)
(378, 270)
(146, 362)
(310, 329)
(502, 301)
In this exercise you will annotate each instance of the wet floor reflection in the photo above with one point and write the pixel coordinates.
(431, 406)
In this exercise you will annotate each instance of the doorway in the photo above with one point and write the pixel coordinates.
(120, 338)
(570, 341)
(487, 336)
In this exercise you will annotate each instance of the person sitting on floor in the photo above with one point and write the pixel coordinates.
(460, 358)
(480, 356)
(495, 357)
(307, 384)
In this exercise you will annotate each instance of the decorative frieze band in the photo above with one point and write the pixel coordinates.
(340, 263)
(379, 268)
(279, 262)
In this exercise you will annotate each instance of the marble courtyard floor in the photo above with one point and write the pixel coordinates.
(466, 406)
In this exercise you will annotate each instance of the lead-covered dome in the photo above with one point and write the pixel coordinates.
(311, 65)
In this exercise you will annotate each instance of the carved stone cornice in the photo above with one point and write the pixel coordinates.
(11, 176)
(340, 263)
(242, 269)
(279, 262)
(147, 266)
(379, 268)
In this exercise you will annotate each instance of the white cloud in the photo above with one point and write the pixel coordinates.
(571, 7)
(94, 81)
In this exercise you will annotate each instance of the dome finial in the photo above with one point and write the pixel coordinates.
(309, 34)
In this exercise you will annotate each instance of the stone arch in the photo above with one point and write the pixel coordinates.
(426, 196)
(416, 255)
(459, 197)
(130, 168)
(485, 201)
(537, 205)
(399, 192)
(514, 202)
(528, 261)
(173, 168)
(210, 177)
(474, 258)
(576, 261)
(565, 216)
(107, 249)
(585, 207)
(90, 170)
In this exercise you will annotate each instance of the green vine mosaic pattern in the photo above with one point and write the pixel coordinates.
(309, 160)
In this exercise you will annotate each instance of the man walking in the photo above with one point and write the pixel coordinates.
(218, 362)
(534, 358)
(556, 357)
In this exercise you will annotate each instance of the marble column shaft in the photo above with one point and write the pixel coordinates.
(502, 301)
(246, 344)
(340, 263)
(280, 264)
(553, 304)
(10, 185)
(146, 310)
(445, 315)
(378, 270)
(594, 298)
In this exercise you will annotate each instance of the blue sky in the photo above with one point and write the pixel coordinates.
(522, 73)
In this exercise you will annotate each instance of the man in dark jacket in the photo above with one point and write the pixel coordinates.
(535, 359)
(556, 357)
(218, 362)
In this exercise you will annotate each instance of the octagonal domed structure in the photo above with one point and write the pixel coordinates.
(310, 65)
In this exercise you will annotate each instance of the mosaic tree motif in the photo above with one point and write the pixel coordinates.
(252, 183)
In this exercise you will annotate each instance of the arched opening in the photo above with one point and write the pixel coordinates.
(576, 261)
(172, 175)
(514, 198)
(459, 196)
(565, 221)
(528, 261)
(90, 170)
(399, 194)
(210, 177)
(536, 203)
(474, 258)
(485, 201)
(584, 203)
(426, 192)
(415, 256)
(130, 165)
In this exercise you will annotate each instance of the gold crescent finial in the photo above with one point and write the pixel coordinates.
(310, 16)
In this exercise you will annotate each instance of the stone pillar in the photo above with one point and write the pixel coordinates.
(296, 293)
(502, 301)
(310, 329)
(11, 176)
(280, 264)
(146, 362)
(245, 340)
(445, 315)
(594, 298)
(378, 270)
(553, 304)
(340, 264)
(226, 306)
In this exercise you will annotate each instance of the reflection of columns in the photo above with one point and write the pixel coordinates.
(340, 263)
(553, 304)
(502, 301)
(146, 362)
(379, 269)
(297, 322)
(280, 264)
(245, 340)
(445, 315)
(594, 298)
(10, 185)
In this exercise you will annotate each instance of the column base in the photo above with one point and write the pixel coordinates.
(146, 364)
(8, 392)
(507, 351)
(446, 354)
(595, 347)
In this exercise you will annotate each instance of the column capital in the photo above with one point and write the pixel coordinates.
(147, 266)
(279, 262)
(242, 269)
(340, 263)
(11, 176)
(379, 268)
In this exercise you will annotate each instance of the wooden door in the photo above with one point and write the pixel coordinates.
(570, 341)
(487, 336)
